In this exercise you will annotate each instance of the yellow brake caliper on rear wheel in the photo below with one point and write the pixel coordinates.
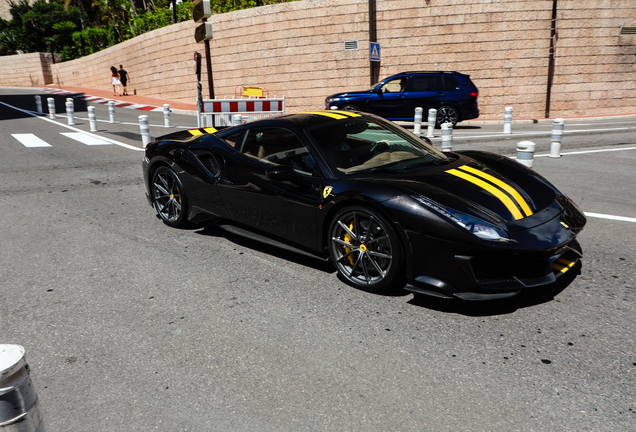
(347, 239)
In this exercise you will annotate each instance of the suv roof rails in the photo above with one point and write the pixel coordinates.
(416, 72)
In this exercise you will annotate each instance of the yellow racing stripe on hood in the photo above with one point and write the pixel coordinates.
(347, 113)
(505, 199)
(331, 114)
(201, 131)
(505, 186)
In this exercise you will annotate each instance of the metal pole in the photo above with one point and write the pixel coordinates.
(417, 128)
(111, 111)
(525, 153)
(69, 113)
(166, 115)
(145, 130)
(553, 35)
(208, 63)
(447, 137)
(92, 121)
(51, 104)
(373, 37)
(432, 118)
(508, 120)
(558, 125)
(19, 403)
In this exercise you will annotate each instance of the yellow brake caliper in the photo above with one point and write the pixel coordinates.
(347, 239)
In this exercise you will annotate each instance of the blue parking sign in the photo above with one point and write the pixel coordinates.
(374, 51)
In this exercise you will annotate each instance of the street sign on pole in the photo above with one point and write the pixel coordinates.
(201, 11)
(203, 32)
(374, 51)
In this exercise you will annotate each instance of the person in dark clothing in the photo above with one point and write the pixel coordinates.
(123, 77)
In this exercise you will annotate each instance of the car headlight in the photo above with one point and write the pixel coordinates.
(329, 100)
(480, 228)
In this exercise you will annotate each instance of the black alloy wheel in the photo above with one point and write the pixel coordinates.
(350, 107)
(447, 114)
(169, 197)
(365, 249)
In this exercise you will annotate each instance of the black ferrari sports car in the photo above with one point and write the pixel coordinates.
(383, 205)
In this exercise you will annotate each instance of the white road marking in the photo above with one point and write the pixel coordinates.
(85, 139)
(590, 151)
(604, 216)
(30, 140)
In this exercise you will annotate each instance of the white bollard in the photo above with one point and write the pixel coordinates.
(417, 128)
(333, 107)
(69, 112)
(557, 135)
(92, 120)
(432, 118)
(237, 119)
(166, 115)
(525, 153)
(111, 111)
(447, 137)
(51, 103)
(145, 130)
(38, 104)
(19, 404)
(72, 101)
(508, 120)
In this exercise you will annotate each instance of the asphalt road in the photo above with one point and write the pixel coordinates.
(131, 325)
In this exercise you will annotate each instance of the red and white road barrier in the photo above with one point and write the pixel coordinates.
(222, 110)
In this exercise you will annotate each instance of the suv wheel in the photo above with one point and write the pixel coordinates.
(447, 114)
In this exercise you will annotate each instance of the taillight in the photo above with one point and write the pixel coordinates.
(474, 94)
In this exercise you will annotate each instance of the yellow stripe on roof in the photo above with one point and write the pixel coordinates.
(328, 114)
(347, 113)
(210, 130)
(505, 199)
(505, 186)
(195, 132)
(201, 131)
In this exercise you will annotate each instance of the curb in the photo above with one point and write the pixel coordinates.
(104, 101)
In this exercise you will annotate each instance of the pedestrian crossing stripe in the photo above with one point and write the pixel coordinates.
(30, 140)
(84, 138)
(33, 141)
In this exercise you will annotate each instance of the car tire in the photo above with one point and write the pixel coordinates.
(349, 107)
(169, 198)
(374, 262)
(446, 114)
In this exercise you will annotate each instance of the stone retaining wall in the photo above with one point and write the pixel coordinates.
(297, 50)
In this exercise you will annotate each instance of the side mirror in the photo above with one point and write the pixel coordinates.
(281, 173)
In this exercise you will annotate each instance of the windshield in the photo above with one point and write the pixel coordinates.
(365, 144)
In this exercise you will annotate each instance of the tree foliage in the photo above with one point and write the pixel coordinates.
(76, 28)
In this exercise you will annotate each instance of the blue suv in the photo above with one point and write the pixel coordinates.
(452, 94)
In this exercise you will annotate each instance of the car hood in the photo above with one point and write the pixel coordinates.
(494, 189)
(351, 94)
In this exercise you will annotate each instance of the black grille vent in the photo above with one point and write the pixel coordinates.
(628, 31)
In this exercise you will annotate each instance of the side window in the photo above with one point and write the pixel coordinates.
(452, 83)
(235, 140)
(276, 145)
(421, 83)
(394, 86)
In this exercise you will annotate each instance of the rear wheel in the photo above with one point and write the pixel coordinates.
(169, 197)
(447, 114)
(365, 249)
(350, 107)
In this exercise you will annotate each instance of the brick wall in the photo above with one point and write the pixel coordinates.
(297, 50)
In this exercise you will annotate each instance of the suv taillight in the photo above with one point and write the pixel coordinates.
(474, 94)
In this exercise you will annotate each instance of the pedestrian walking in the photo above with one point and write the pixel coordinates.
(115, 80)
(124, 77)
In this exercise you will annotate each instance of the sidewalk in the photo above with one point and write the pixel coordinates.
(148, 103)
(145, 103)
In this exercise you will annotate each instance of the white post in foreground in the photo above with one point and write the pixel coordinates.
(69, 112)
(447, 137)
(38, 104)
(557, 135)
(166, 115)
(237, 119)
(432, 118)
(111, 111)
(145, 130)
(417, 128)
(525, 153)
(92, 120)
(72, 101)
(51, 103)
(508, 120)
(19, 404)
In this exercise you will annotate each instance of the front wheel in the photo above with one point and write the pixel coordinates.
(350, 107)
(447, 114)
(169, 198)
(365, 249)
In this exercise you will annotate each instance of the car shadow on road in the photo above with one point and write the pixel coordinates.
(295, 256)
(528, 298)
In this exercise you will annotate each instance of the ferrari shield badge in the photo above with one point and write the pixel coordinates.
(326, 191)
